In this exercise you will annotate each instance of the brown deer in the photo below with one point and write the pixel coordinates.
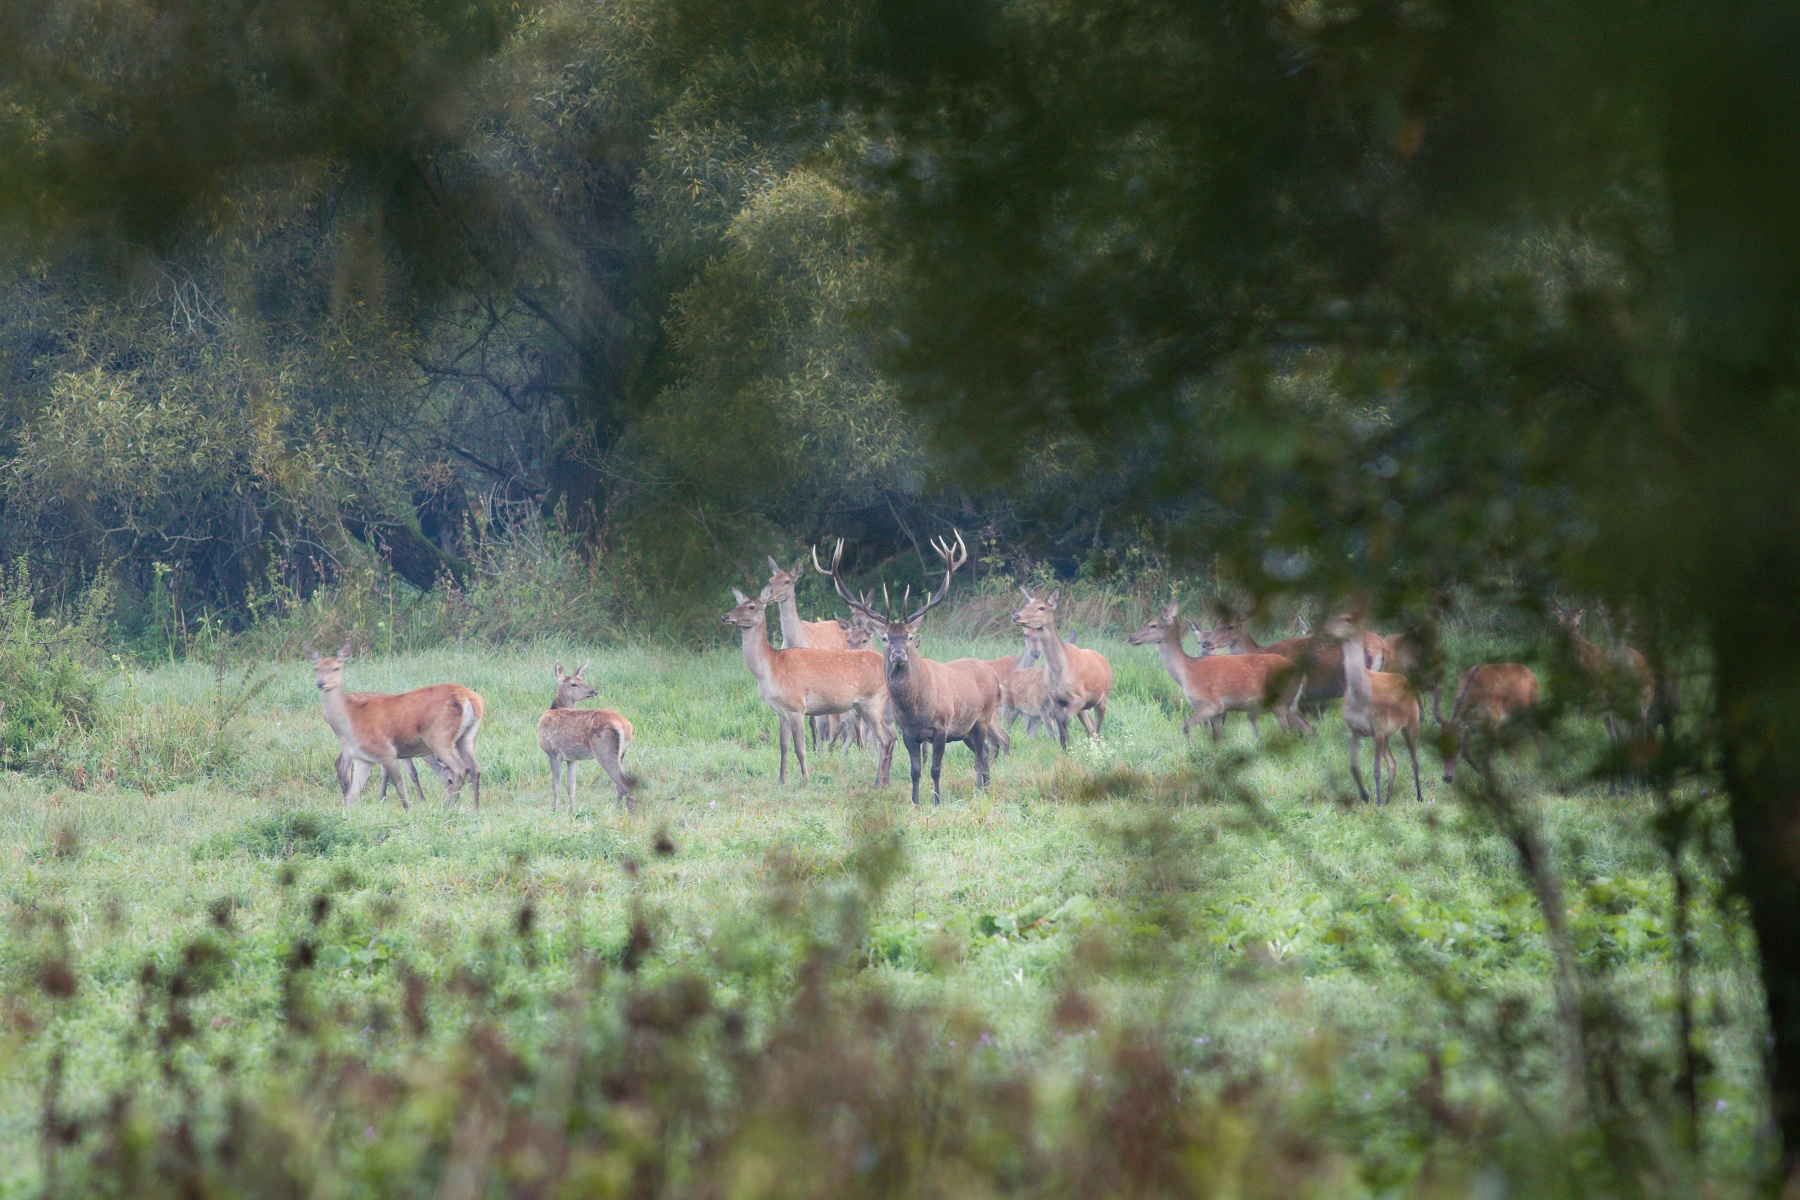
(1624, 687)
(935, 702)
(1377, 705)
(1252, 684)
(441, 721)
(801, 682)
(568, 735)
(1492, 701)
(1019, 692)
(1418, 654)
(1317, 655)
(810, 635)
(1077, 681)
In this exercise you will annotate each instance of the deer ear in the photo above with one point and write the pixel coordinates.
(774, 567)
(740, 596)
(312, 655)
(1054, 597)
(345, 649)
(1170, 609)
(1027, 592)
(842, 624)
(559, 674)
(799, 568)
(582, 669)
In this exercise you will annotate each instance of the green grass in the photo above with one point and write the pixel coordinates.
(1236, 897)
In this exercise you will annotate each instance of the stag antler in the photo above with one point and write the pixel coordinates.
(952, 559)
(837, 556)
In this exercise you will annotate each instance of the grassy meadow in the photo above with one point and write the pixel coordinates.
(1361, 972)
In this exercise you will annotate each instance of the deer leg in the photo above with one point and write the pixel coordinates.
(937, 767)
(359, 775)
(781, 727)
(391, 766)
(977, 741)
(800, 744)
(912, 749)
(1356, 767)
(606, 753)
(1089, 722)
(555, 778)
(1255, 719)
(465, 746)
(1100, 716)
(1412, 750)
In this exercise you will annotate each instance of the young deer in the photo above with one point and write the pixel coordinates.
(1377, 705)
(568, 735)
(1492, 701)
(809, 635)
(802, 682)
(1624, 687)
(1252, 684)
(1077, 680)
(956, 701)
(1417, 654)
(1007, 669)
(441, 721)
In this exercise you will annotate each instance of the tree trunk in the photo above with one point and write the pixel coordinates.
(1731, 119)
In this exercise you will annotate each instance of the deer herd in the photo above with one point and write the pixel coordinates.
(829, 677)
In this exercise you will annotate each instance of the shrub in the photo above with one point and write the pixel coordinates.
(46, 684)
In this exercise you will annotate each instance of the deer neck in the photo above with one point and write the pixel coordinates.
(759, 656)
(793, 633)
(1356, 672)
(558, 702)
(1173, 656)
(337, 714)
(911, 683)
(1056, 658)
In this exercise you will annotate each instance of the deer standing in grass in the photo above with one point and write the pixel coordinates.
(1493, 701)
(568, 735)
(1077, 681)
(808, 635)
(1321, 658)
(935, 702)
(1252, 684)
(1623, 684)
(1377, 705)
(1019, 681)
(440, 721)
(801, 682)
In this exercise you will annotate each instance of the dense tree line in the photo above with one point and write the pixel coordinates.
(578, 272)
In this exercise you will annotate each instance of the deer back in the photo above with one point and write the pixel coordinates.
(1494, 693)
(1236, 679)
(568, 730)
(411, 724)
(827, 676)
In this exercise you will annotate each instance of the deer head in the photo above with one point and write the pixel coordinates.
(328, 671)
(1039, 612)
(899, 634)
(1157, 627)
(572, 689)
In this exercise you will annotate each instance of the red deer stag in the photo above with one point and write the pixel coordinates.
(931, 701)
(1252, 684)
(1076, 681)
(440, 721)
(568, 735)
(1377, 705)
(801, 682)
(1493, 701)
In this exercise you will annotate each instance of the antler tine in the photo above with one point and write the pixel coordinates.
(837, 556)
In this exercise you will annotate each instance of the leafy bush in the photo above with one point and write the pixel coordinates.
(45, 682)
